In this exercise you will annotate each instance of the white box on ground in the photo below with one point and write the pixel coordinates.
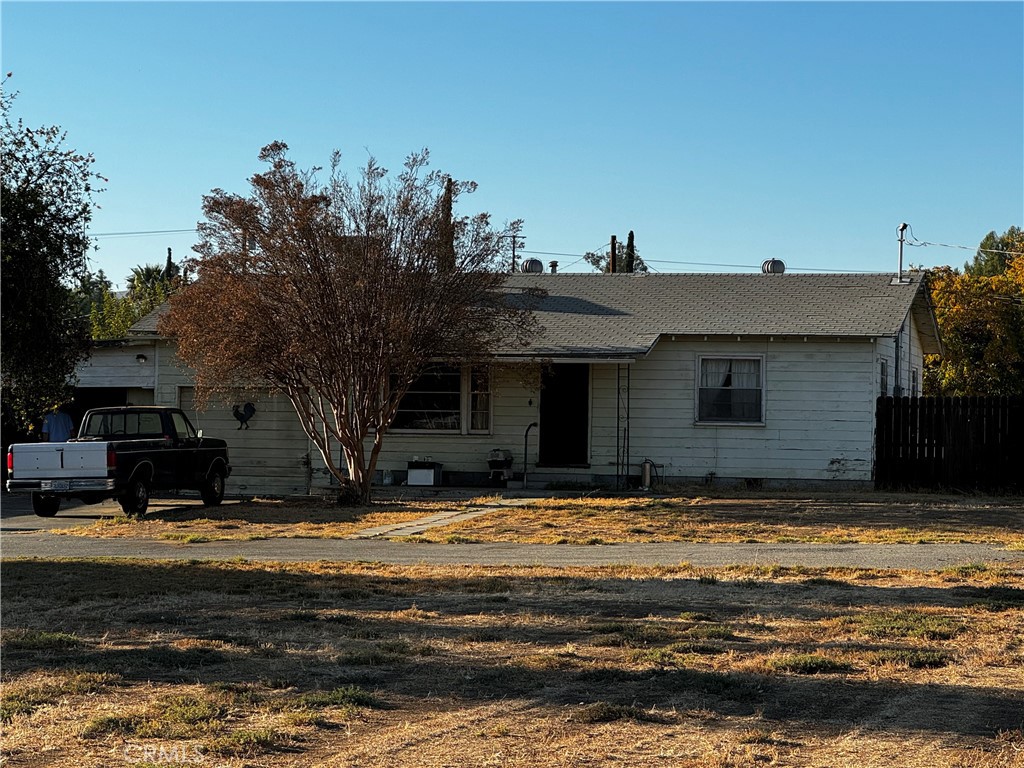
(424, 473)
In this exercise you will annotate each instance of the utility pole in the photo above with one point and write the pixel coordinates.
(515, 238)
(611, 258)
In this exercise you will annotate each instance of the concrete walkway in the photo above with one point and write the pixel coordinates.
(441, 519)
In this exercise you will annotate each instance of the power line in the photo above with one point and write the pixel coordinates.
(143, 233)
(551, 253)
(758, 266)
(918, 243)
(581, 256)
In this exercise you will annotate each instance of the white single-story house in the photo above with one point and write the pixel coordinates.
(767, 379)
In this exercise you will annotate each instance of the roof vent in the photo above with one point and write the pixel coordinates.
(773, 266)
(532, 266)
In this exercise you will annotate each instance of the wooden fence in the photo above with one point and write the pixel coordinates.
(956, 443)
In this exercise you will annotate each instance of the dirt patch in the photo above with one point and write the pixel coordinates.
(106, 662)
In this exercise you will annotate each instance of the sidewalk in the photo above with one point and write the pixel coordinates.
(925, 557)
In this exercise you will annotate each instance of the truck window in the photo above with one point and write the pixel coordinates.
(182, 426)
(130, 425)
(149, 425)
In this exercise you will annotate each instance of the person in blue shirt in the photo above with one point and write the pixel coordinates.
(57, 426)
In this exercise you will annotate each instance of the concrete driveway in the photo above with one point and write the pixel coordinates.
(16, 513)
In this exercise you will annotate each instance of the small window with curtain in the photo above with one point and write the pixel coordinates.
(479, 400)
(730, 390)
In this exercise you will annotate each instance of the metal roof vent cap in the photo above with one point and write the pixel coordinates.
(532, 266)
(773, 266)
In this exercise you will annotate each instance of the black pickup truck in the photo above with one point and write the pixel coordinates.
(122, 453)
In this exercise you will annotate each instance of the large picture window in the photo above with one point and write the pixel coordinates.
(447, 399)
(731, 390)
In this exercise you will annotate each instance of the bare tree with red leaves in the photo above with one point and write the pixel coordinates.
(339, 294)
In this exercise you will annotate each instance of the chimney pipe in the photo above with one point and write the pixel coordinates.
(899, 273)
(554, 266)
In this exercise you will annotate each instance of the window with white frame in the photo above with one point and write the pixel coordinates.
(447, 399)
(731, 390)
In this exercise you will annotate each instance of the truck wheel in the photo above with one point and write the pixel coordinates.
(135, 499)
(45, 505)
(212, 490)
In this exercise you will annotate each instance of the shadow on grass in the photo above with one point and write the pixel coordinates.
(319, 628)
(289, 512)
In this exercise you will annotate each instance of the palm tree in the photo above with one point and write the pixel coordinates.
(144, 280)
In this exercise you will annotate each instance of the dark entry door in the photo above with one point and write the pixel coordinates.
(564, 415)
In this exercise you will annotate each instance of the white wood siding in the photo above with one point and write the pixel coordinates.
(118, 367)
(818, 403)
(269, 457)
(819, 417)
(514, 406)
(911, 358)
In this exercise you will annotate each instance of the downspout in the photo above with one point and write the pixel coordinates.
(898, 383)
(156, 372)
(526, 447)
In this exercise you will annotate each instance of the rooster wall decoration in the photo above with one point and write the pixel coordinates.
(243, 413)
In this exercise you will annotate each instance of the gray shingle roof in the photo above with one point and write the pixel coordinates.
(597, 315)
(622, 315)
(146, 325)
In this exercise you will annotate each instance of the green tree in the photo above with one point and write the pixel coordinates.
(981, 322)
(339, 293)
(995, 252)
(627, 258)
(89, 290)
(149, 286)
(47, 193)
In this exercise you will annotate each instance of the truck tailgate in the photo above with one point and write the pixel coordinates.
(60, 460)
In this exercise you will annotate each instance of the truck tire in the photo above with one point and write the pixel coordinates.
(45, 505)
(135, 500)
(212, 489)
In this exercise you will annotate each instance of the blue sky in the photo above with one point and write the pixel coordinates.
(721, 133)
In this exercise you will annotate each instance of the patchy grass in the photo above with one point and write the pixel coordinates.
(278, 664)
(246, 743)
(766, 518)
(186, 522)
(26, 699)
(36, 640)
(912, 659)
(599, 520)
(807, 664)
(924, 625)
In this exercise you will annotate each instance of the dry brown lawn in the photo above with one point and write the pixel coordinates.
(117, 662)
(776, 518)
(862, 518)
(258, 519)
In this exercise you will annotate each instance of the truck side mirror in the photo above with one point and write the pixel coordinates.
(199, 434)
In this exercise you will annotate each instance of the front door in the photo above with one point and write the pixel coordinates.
(565, 415)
